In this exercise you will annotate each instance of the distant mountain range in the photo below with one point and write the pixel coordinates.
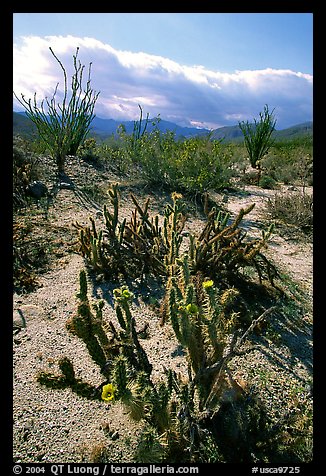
(234, 134)
(103, 128)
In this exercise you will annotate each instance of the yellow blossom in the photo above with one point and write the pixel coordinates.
(208, 284)
(108, 392)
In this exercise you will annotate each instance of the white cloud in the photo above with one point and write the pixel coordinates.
(182, 94)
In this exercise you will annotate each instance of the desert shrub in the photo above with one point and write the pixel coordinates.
(266, 181)
(113, 153)
(87, 150)
(28, 255)
(250, 177)
(194, 165)
(290, 162)
(25, 170)
(155, 156)
(202, 165)
(294, 208)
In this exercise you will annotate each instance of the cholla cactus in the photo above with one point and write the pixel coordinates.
(89, 325)
(203, 319)
(141, 246)
(221, 249)
(174, 221)
(174, 409)
(103, 249)
(136, 246)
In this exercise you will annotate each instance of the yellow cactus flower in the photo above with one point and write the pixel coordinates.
(108, 392)
(208, 284)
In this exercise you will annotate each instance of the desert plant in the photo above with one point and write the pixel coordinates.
(192, 165)
(87, 150)
(267, 182)
(179, 410)
(202, 164)
(102, 339)
(88, 325)
(257, 136)
(135, 247)
(290, 162)
(293, 208)
(63, 127)
(25, 170)
(221, 250)
(143, 246)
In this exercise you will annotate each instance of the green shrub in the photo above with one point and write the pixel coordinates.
(87, 150)
(290, 162)
(267, 182)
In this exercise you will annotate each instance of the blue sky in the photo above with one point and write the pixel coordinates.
(201, 69)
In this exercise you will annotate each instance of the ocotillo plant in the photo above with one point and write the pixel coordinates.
(63, 127)
(257, 136)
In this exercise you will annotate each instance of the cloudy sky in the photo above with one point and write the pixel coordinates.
(194, 69)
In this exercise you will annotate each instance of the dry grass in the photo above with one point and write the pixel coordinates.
(293, 209)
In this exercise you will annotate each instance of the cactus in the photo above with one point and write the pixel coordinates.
(140, 246)
(133, 247)
(176, 410)
(221, 251)
(203, 319)
(149, 449)
(88, 326)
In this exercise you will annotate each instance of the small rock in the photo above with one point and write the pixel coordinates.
(18, 319)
